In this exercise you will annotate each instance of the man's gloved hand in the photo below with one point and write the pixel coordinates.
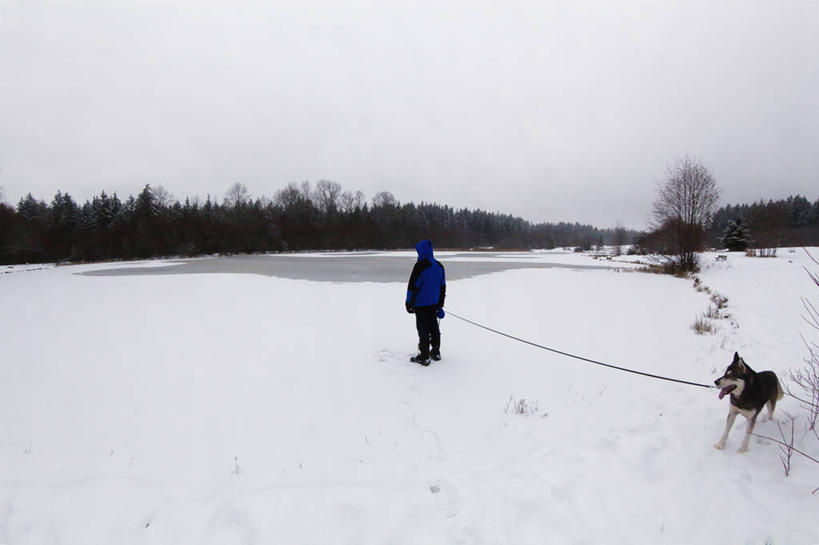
(440, 314)
(410, 308)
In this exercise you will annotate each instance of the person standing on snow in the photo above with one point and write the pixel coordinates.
(425, 298)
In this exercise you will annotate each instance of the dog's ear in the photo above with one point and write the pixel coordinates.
(736, 357)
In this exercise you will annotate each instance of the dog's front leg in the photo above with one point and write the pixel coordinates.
(732, 415)
(749, 430)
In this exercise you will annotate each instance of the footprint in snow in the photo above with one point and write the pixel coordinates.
(398, 362)
(447, 498)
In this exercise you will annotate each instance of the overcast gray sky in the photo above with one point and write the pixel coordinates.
(551, 110)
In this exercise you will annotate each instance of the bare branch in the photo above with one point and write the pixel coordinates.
(787, 450)
(778, 442)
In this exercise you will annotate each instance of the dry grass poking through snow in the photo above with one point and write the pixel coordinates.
(702, 326)
(522, 407)
(704, 323)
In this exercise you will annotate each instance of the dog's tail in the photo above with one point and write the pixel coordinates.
(779, 392)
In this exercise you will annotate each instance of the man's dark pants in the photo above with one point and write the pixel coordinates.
(427, 324)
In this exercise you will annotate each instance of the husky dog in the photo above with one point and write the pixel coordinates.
(750, 391)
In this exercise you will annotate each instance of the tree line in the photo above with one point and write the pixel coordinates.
(299, 217)
(786, 222)
(685, 220)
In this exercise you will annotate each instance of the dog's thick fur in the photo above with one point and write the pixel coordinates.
(750, 391)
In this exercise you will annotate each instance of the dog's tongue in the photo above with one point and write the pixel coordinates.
(725, 391)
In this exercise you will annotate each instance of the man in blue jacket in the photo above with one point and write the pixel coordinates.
(425, 298)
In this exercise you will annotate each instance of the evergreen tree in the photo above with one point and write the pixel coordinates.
(735, 237)
(7, 221)
(63, 221)
(299, 218)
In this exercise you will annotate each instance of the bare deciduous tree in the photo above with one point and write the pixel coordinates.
(685, 204)
(306, 191)
(236, 195)
(264, 202)
(384, 198)
(326, 196)
(288, 198)
(350, 202)
(162, 196)
(619, 238)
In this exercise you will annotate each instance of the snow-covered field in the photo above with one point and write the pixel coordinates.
(237, 408)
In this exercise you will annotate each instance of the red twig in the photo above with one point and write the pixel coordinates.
(790, 447)
(784, 444)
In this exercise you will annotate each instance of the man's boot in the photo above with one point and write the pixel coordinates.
(420, 359)
(423, 355)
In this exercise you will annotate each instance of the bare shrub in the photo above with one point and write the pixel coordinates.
(702, 326)
(786, 447)
(791, 449)
(807, 378)
(719, 300)
(713, 313)
(521, 407)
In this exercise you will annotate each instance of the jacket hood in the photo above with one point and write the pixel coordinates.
(424, 249)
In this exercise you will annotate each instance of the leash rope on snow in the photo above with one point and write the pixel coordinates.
(581, 358)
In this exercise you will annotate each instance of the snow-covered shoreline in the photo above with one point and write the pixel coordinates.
(237, 408)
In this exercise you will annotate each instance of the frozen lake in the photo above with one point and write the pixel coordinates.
(361, 267)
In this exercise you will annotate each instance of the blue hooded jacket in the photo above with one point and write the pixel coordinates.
(427, 283)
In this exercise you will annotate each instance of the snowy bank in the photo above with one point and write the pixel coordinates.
(236, 408)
